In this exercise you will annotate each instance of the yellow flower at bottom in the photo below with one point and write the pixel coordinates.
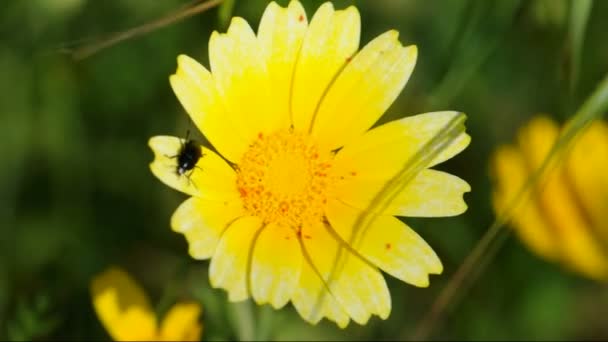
(565, 215)
(125, 312)
(290, 109)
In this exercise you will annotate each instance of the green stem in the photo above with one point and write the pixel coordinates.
(593, 108)
(241, 315)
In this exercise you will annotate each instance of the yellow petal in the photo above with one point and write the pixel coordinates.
(331, 39)
(276, 265)
(195, 89)
(280, 34)
(357, 286)
(363, 91)
(230, 264)
(203, 222)
(388, 243)
(580, 248)
(313, 301)
(586, 166)
(383, 151)
(530, 224)
(211, 178)
(241, 76)
(122, 306)
(181, 323)
(430, 194)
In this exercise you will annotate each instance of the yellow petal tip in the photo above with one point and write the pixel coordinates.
(237, 21)
(183, 60)
(273, 4)
(181, 57)
(215, 36)
(438, 270)
(235, 298)
(326, 5)
(353, 9)
(294, 3)
(173, 79)
(155, 142)
(343, 324)
(394, 34)
(423, 283)
(412, 52)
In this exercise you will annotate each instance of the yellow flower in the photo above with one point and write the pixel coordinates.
(125, 312)
(565, 215)
(290, 109)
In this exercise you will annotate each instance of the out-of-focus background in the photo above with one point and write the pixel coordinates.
(76, 194)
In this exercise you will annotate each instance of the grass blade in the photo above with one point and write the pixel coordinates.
(225, 12)
(579, 16)
(423, 157)
(593, 108)
(473, 48)
(134, 32)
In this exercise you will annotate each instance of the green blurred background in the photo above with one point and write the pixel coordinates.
(77, 195)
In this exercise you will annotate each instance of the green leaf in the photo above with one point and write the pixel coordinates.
(242, 319)
(419, 161)
(579, 16)
(594, 108)
(32, 319)
(485, 29)
(225, 12)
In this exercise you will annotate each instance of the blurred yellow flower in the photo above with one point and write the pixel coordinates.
(125, 312)
(565, 215)
(277, 106)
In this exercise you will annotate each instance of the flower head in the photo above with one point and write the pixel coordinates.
(564, 215)
(290, 109)
(124, 310)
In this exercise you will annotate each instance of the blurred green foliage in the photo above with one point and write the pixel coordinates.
(77, 195)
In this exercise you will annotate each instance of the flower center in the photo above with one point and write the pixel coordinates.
(282, 179)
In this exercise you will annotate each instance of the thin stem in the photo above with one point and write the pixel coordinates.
(90, 50)
(473, 265)
(243, 320)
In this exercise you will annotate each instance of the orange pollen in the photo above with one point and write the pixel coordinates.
(282, 178)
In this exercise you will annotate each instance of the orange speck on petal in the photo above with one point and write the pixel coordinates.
(284, 206)
(388, 246)
(301, 18)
